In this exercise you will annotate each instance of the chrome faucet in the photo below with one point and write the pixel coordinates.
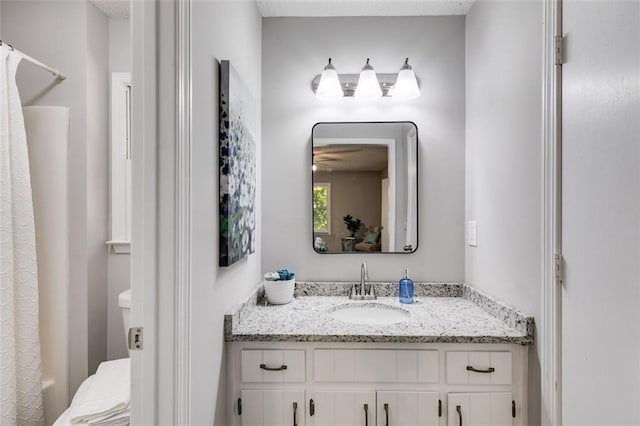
(362, 294)
(364, 277)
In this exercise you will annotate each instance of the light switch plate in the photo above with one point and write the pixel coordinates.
(472, 233)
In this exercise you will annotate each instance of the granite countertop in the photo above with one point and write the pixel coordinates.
(442, 313)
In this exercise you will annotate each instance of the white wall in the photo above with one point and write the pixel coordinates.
(119, 265)
(601, 214)
(119, 45)
(220, 30)
(294, 51)
(72, 36)
(503, 158)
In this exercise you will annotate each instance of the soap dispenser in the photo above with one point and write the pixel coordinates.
(405, 288)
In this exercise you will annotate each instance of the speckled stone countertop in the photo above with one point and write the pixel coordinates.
(442, 313)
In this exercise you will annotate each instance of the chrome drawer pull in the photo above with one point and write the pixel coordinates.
(264, 367)
(475, 370)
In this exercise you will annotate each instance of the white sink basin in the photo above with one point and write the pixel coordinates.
(369, 313)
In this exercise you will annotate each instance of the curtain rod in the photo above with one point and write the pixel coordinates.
(59, 75)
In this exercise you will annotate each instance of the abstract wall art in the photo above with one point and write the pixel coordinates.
(237, 206)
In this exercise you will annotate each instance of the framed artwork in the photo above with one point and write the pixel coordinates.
(237, 137)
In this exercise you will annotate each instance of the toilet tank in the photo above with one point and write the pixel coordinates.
(124, 301)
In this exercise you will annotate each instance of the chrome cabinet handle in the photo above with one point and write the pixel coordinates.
(476, 370)
(295, 412)
(264, 367)
(459, 410)
(366, 414)
(386, 414)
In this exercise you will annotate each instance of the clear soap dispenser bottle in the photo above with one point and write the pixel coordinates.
(405, 288)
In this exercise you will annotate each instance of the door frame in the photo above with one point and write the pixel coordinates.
(161, 226)
(550, 341)
(144, 210)
(182, 258)
(157, 371)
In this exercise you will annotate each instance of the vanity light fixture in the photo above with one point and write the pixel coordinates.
(329, 87)
(368, 84)
(406, 86)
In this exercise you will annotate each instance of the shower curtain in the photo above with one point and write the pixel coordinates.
(20, 377)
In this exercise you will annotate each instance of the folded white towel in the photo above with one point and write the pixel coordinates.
(64, 419)
(107, 396)
(121, 419)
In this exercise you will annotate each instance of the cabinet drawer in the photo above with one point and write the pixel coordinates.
(479, 368)
(273, 365)
(373, 365)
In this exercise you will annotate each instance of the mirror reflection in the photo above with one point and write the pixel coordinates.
(365, 187)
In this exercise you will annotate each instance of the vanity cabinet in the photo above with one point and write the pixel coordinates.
(275, 366)
(384, 408)
(377, 384)
(272, 407)
(408, 408)
(342, 408)
(375, 365)
(482, 408)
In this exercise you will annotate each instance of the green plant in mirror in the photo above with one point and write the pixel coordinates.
(320, 209)
(352, 224)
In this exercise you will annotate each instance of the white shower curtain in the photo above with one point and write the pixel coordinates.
(20, 376)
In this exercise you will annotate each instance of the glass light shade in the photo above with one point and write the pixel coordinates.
(406, 86)
(368, 85)
(329, 87)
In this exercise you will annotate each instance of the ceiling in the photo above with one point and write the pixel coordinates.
(118, 9)
(350, 158)
(274, 8)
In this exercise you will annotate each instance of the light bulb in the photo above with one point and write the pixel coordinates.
(406, 86)
(368, 85)
(329, 87)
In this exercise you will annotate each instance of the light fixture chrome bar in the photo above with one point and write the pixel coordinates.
(349, 82)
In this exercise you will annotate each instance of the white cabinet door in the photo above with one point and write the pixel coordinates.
(272, 408)
(407, 408)
(480, 409)
(344, 408)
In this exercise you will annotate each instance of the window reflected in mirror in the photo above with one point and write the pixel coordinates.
(365, 187)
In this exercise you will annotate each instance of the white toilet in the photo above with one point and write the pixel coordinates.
(124, 301)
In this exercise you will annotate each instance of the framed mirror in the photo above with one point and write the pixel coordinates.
(365, 187)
